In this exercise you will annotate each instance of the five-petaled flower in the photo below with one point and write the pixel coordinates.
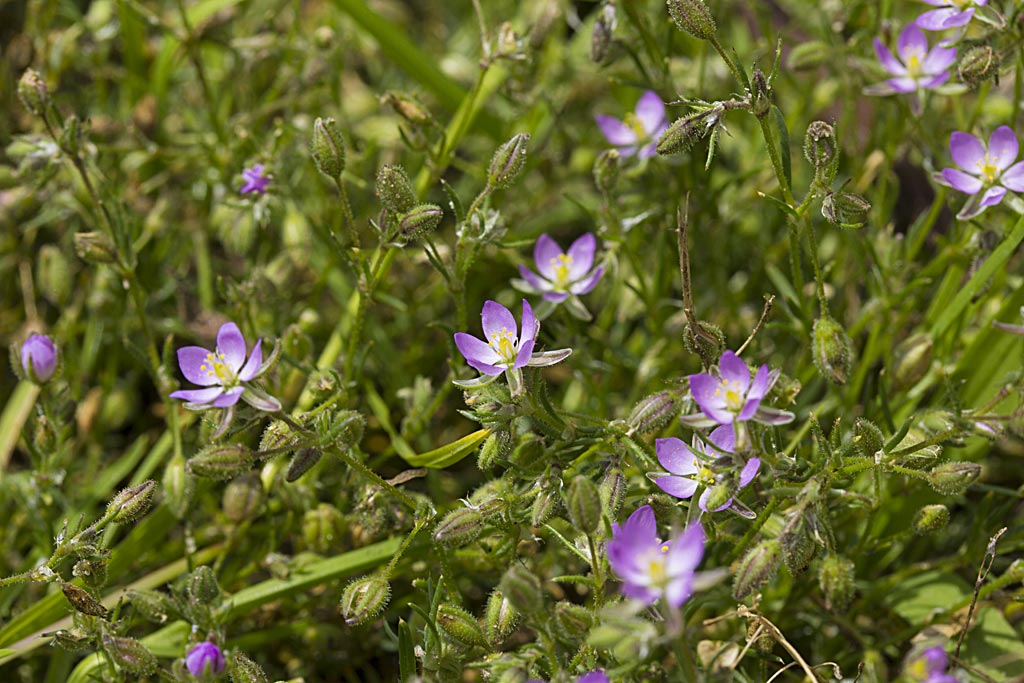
(950, 14)
(929, 666)
(204, 659)
(704, 465)
(639, 132)
(650, 568)
(917, 67)
(727, 395)
(255, 180)
(224, 372)
(562, 273)
(507, 349)
(39, 358)
(985, 168)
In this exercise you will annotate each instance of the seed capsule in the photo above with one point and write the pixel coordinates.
(365, 598)
(130, 655)
(508, 161)
(132, 503)
(953, 478)
(522, 588)
(83, 601)
(459, 626)
(693, 17)
(328, 148)
(583, 502)
(757, 567)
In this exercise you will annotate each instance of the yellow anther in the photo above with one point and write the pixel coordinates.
(988, 167)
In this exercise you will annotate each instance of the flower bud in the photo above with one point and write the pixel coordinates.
(821, 148)
(92, 571)
(459, 527)
(978, 64)
(913, 359)
(205, 660)
(931, 518)
(39, 358)
(322, 528)
(83, 601)
(53, 274)
(682, 134)
(459, 626)
(244, 670)
(420, 221)
(242, 498)
(202, 588)
(409, 110)
(130, 655)
(576, 620)
(584, 504)
(757, 567)
(601, 38)
(544, 505)
(33, 93)
(394, 189)
(652, 413)
(529, 457)
(303, 462)
(495, 446)
(500, 618)
(867, 437)
(178, 487)
(328, 148)
(953, 478)
(613, 491)
(797, 547)
(95, 247)
(606, 170)
(70, 135)
(153, 605)
(706, 340)
(760, 95)
(693, 17)
(522, 588)
(221, 462)
(364, 598)
(836, 579)
(508, 161)
(830, 347)
(845, 209)
(131, 503)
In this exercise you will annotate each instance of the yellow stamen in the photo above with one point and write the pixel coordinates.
(988, 167)
(561, 265)
(632, 121)
(503, 345)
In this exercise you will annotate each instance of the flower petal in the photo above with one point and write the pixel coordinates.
(542, 359)
(959, 180)
(589, 282)
(650, 110)
(935, 20)
(902, 85)
(993, 196)
(525, 352)
(675, 456)
(1002, 147)
(938, 60)
(641, 526)
(252, 366)
(758, 389)
(966, 150)
(934, 82)
(534, 280)
(1013, 177)
(734, 369)
(680, 487)
(198, 395)
(679, 590)
(229, 397)
(582, 254)
(686, 551)
(749, 471)
(723, 439)
(959, 19)
(555, 297)
(545, 255)
(530, 324)
(497, 319)
(615, 131)
(910, 42)
(231, 343)
(703, 387)
(478, 354)
(889, 62)
(191, 359)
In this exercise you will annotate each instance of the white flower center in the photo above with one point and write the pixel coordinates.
(656, 566)
(637, 126)
(504, 345)
(915, 69)
(561, 265)
(216, 367)
(733, 393)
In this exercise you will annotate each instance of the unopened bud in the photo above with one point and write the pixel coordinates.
(682, 134)
(365, 598)
(978, 64)
(601, 38)
(131, 503)
(32, 92)
(459, 626)
(797, 547)
(757, 567)
(529, 457)
(845, 209)
(953, 478)
(242, 498)
(606, 170)
(575, 619)
(202, 587)
(221, 462)
(760, 95)
(508, 161)
(868, 438)
(153, 605)
(830, 347)
(70, 135)
(652, 413)
(178, 487)
(83, 601)
(500, 618)
(836, 579)
(583, 501)
(130, 655)
(718, 497)
(421, 221)
(394, 189)
(613, 491)
(327, 148)
(459, 527)
(322, 528)
(821, 148)
(95, 247)
(495, 446)
(913, 360)
(544, 506)
(931, 518)
(408, 109)
(693, 17)
(522, 588)
(244, 670)
(706, 340)
(303, 462)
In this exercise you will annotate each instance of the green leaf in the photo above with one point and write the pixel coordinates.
(448, 454)
(406, 653)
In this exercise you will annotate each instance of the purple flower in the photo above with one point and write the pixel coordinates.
(255, 181)
(563, 273)
(951, 14)
(917, 67)
(930, 667)
(639, 132)
(985, 168)
(204, 658)
(596, 676)
(650, 568)
(507, 350)
(224, 373)
(689, 469)
(728, 395)
(39, 358)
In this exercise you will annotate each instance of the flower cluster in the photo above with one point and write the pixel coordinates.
(638, 134)
(986, 171)
(704, 465)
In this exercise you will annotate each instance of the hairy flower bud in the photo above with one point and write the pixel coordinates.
(221, 462)
(544, 505)
(913, 359)
(836, 579)
(760, 95)
(303, 462)
(821, 148)
(706, 340)
(322, 528)
(459, 527)
(797, 546)
(83, 601)
(420, 221)
(202, 587)
(130, 655)
(153, 605)
(459, 626)
(244, 670)
(327, 148)
(522, 588)
(92, 571)
(364, 598)
(601, 38)
(719, 496)
(131, 503)
(495, 446)
(500, 619)
(70, 135)
(652, 413)
(576, 620)
(508, 161)
(830, 348)
(613, 491)
(95, 247)
(757, 567)
(394, 189)
(583, 501)
(845, 209)
(953, 478)
(606, 170)
(693, 17)
(32, 92)
(868, 438)
(931, 518)
(682, 133)
(39, 359)
(979, 64)
(242, 498)
(407, 108)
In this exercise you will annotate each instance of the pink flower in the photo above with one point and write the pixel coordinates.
(702, 465)
(985, 168)
(639, 132)
(563, 273)
(255, 181)
(917, 67)
(951, 14)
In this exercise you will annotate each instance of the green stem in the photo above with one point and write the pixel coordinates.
(357, 465)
